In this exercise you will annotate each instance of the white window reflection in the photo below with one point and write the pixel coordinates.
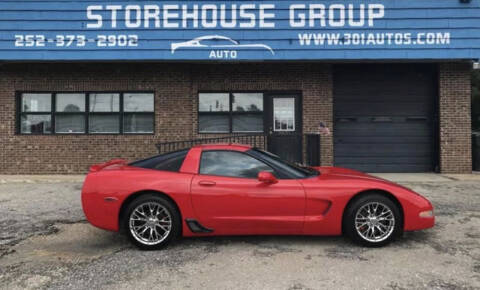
(70, 103)
(36, 102)
(214, 102)
(135, 102)
(36, 124)
(284, 114)
(104, 102)
(247, 102)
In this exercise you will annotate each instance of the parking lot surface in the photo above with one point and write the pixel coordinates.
(45, 242)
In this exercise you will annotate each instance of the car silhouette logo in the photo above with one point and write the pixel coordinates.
(228, 43)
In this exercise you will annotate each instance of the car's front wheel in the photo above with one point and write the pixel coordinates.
(152, 221)
(373, 220)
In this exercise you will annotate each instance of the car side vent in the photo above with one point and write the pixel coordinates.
(196, 227)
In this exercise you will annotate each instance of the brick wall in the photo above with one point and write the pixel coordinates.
(455, 118)
(175, 86)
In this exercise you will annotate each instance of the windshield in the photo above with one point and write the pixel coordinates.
(297, 170)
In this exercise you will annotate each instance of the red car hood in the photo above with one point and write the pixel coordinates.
(341, 173)
(345, 172)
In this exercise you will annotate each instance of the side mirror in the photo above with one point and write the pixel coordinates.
(267, 177)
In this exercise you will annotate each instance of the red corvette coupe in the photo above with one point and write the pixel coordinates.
(239, 190)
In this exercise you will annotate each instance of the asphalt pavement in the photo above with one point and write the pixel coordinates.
(45, 242)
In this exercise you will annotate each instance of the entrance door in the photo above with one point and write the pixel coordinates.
(284, 125)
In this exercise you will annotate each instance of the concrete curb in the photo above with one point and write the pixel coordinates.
(464, 177)
(40, 178)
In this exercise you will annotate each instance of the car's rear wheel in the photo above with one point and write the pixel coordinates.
(373, 220)
(152, 221)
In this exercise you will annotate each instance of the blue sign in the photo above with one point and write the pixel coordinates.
(239, 30)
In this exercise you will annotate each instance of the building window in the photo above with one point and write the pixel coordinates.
(104, 115)
(70, 113)
(230, 112)
(81, 113)
(138, 114)
(36, 114)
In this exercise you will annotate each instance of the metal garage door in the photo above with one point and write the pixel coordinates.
(384, 117)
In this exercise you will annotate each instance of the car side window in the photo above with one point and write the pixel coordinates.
(173, 164)
(231, 164)
(171, 161)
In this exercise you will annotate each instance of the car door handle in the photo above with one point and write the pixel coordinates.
(206, 183)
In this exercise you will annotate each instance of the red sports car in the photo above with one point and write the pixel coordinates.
(220, 189)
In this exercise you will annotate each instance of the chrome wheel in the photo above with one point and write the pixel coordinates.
(150, 223)
(374, 222)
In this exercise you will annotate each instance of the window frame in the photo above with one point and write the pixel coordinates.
(231, 113)
(52, 113)
(234, 151)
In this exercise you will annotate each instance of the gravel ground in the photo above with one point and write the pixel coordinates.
(46, 243)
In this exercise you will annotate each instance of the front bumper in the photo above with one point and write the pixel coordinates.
(421, 223)
(416, 217)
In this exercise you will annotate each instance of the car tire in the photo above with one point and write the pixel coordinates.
(152, 221)
(373, 220)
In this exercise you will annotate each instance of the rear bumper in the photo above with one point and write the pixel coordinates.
(101, 211)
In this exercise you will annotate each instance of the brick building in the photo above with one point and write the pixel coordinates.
(390, 109)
